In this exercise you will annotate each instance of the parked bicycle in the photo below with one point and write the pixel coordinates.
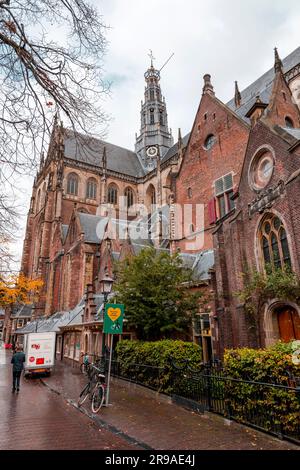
(86, 363)
(95, 389)
(84, 367)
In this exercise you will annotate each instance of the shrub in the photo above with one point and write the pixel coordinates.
(272, 365)
(134, 356)
(269, 406)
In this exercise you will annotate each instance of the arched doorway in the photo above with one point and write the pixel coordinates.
(288, 324)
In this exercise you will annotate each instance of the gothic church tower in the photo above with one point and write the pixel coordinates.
(155, 137)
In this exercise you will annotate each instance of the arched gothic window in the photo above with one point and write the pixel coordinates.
(129, 197)
(153, 196)
(151, 116)
(161, 117)
(274, 243)
(91, 188)
(72, 184)
(112, 196)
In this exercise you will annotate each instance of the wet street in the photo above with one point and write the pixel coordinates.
(36, 418)
(42, 417)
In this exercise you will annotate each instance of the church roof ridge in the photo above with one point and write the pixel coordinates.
(263, 86)
(89, 149)
(98, 139)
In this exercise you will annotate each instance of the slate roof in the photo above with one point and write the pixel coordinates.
(40, 325)
(90, 150)
(262, 86)
(200, 263)
(93, 227)
(54, 322)
(22, 311)
(173, 150)
(74, 317)
(294, 132)
(288, 134)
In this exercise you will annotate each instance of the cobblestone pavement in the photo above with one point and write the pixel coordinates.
(37, 418)
(152, 419)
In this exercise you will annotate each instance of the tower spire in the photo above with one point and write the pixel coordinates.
(237, 96)
(278, 63)
(155, 137)
(179, 139)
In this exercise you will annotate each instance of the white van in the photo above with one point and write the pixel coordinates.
(39, 351)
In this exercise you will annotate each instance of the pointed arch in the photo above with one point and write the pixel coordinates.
(273, 243)
(150, 195)
(91, 188)
(72, 184)
(112, 194)
(130, 196)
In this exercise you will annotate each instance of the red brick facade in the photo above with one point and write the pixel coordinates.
(210, 169)
(237, 238)
(201, 167)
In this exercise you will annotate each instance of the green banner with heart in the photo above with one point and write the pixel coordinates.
(113, 319)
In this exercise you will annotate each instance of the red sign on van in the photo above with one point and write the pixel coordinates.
(40, 360)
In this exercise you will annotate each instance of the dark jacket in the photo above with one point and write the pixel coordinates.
(18, 360)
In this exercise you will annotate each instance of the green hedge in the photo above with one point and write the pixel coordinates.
(158, 355)
(269, 407)
(270, 365)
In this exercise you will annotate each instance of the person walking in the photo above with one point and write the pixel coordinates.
(17, 360)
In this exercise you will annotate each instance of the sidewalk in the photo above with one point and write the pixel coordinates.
(152, 421)
(37, 419)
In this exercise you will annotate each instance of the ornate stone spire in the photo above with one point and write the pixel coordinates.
(179, 139)
(208, 88)
(237, 96)
(278, 62)
(155, 137)
(103, 196)
(104, 159)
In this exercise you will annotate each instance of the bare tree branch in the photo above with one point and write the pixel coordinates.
(51, 59)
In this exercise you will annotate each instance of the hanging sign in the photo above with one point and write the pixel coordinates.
(113, 319)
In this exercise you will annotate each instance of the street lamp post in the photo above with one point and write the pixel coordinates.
(106, 285)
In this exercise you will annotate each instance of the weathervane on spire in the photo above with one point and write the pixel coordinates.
(151, 57)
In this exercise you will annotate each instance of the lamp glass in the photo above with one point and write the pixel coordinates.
(106, 284)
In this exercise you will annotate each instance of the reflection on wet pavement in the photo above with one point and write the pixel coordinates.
(38, 419)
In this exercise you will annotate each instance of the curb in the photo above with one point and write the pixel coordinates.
(98, 421)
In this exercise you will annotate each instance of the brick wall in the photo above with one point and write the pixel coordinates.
(200, 167)
(236, 242)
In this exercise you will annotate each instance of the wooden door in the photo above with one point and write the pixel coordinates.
(289, 325)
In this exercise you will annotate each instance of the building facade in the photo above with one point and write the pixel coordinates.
(178, 197)
(261, 234)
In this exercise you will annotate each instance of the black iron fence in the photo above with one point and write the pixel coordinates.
(266, 406)
(269, 407)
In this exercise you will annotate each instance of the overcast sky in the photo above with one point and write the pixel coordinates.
(230, 39)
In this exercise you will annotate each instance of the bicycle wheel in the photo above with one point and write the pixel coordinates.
(98, 398)
(84, 394)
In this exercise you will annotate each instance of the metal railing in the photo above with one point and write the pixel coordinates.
(270, 407)
(265, 406)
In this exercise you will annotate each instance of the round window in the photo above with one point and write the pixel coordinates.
(262, 170)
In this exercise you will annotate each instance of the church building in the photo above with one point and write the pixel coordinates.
(211, 196)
